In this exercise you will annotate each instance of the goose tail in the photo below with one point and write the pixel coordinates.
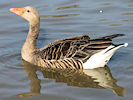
(111, 36)
(101, 58)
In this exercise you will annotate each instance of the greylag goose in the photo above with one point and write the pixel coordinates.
(74, 52)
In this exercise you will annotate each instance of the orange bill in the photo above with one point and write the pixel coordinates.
(18, 11)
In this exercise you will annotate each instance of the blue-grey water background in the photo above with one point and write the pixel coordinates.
(61, 19)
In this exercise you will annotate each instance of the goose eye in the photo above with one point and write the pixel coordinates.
(28, 11)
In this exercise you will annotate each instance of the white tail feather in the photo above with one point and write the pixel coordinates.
(101, 58)
(125, 44)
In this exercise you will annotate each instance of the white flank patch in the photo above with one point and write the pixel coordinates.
(101, 58)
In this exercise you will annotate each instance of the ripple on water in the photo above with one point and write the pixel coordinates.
(128, 13)
(104, 20)
(127, 20)
(107, 3)
(115, 24)
(56, 16)
(130, 5)
(68, 7)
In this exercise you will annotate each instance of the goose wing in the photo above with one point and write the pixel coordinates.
(80, 47)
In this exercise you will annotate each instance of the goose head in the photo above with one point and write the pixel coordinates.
(29, 13)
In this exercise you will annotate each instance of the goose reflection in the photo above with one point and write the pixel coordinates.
(100, 78)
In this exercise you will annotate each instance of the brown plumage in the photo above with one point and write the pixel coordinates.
(80, 47)
(71, 52)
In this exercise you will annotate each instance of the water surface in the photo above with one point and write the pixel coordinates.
(61, 19)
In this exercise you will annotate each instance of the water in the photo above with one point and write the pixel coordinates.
(61, 19)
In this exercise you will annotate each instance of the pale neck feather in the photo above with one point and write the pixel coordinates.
(30, 45)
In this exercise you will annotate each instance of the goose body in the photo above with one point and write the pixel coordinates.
(78, 52)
